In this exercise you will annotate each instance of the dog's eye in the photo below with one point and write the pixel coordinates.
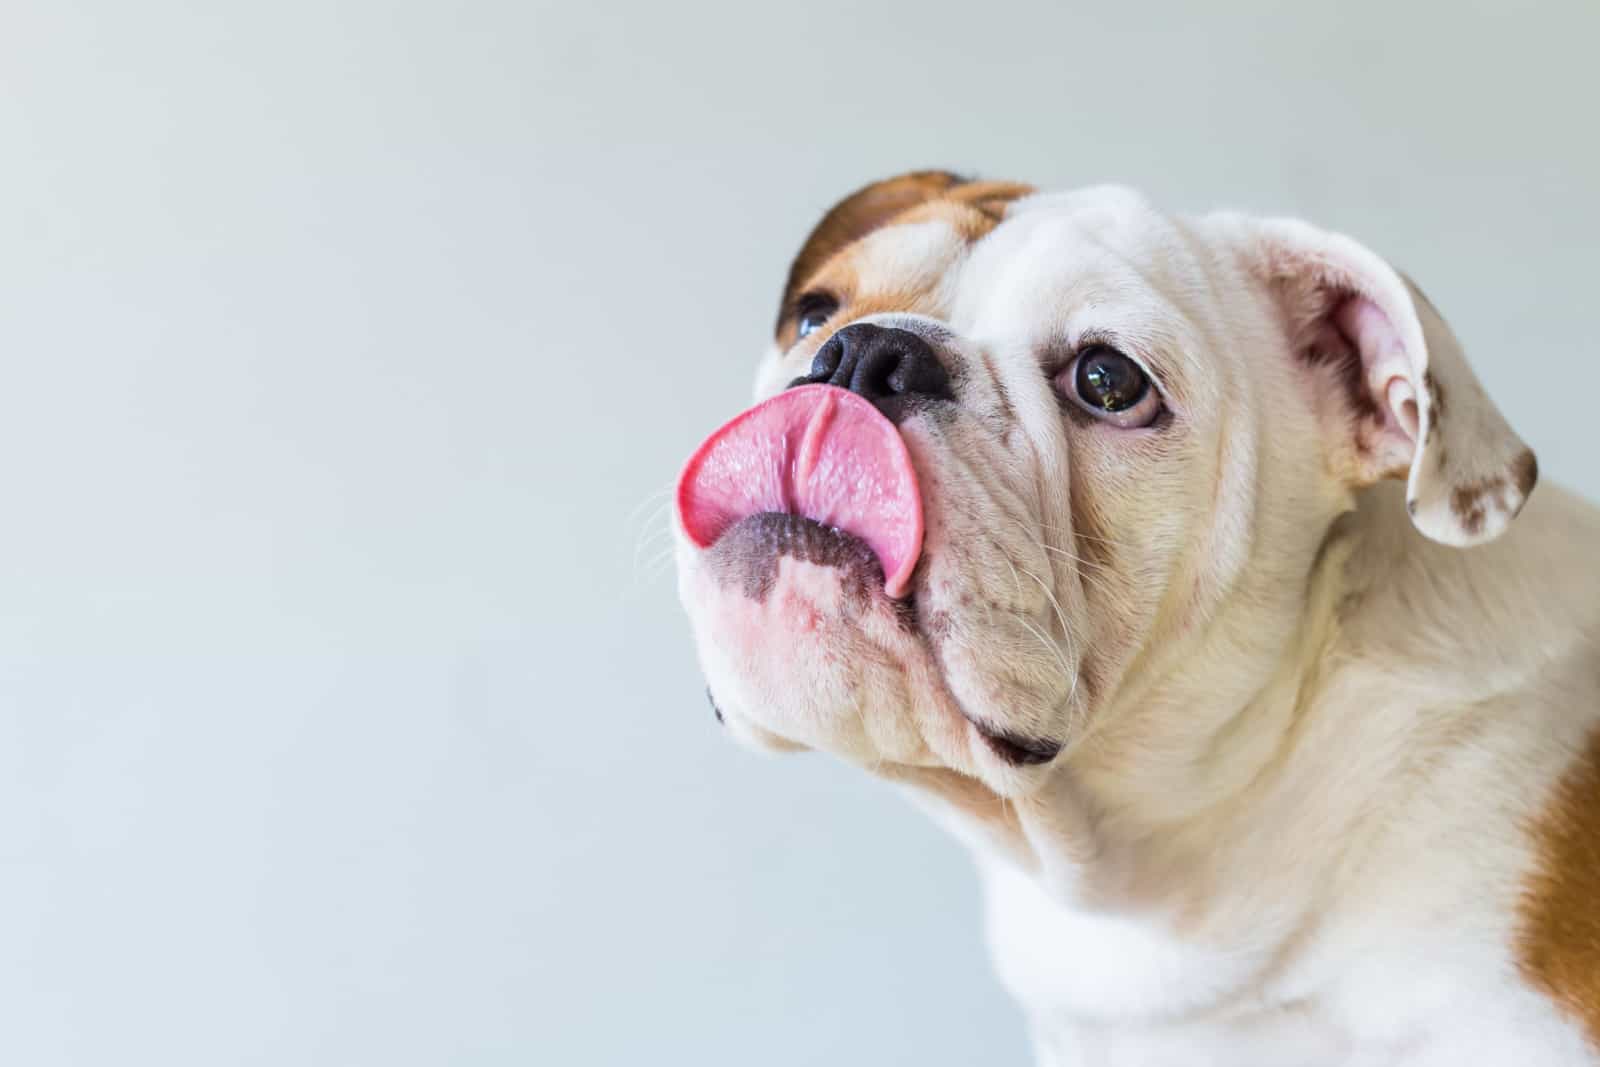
(813, 311)
(1109, 381)
(1111, 387)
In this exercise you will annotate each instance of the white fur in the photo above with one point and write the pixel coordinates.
(1289, 823)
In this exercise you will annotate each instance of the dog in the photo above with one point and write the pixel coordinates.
(1182, 568)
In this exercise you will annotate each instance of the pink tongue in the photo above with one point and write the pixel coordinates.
(816, 451)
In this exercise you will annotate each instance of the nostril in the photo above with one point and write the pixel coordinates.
(826, 361)
(874, 372)
(824, 365)
(924, 376)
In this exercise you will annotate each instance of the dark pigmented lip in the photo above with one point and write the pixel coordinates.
(1016, 749)
(747, 554)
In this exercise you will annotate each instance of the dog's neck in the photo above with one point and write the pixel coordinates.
(1232, 743)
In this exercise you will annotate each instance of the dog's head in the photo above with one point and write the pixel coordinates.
(1021, 458)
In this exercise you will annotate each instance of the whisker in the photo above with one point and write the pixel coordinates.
(652, 497)
(651, 529)
(656, 567)
(1061, 616)
(1087, 570)
(1066, 631)
(1014, 576)
(1079, 560)
(1050, 646)
(1066, 634)
(656, 529)
(1087, 536)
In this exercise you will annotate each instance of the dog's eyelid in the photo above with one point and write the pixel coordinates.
(813, 300)
(1149, 372)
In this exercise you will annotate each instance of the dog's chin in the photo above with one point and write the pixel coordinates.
(802, 648)
(800, 644)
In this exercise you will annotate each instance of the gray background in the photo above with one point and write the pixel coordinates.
(348, 715)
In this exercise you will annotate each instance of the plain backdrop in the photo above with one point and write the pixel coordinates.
(347, 715)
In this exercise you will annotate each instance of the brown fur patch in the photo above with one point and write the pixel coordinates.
(1559, 949)
(906, 299)
(972, 208)
(858, 215)
(1471, 502)
(1435, 393)
(1525, 472)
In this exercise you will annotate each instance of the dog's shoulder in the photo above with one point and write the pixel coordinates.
(1558, 947)
(1508, 704)
(1558, 923)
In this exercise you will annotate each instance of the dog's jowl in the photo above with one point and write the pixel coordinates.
(1183, 568)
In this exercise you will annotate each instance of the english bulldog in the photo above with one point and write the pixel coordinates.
(1184, 570)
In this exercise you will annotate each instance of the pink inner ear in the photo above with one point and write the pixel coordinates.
(1403, 402)
(1385, 366)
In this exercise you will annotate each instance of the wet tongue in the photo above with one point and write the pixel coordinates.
(815, 451)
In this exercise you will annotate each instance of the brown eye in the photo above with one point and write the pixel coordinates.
(1110, 386)
(812, 313)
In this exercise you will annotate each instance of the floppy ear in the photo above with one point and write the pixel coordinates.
(1406, 404)
(877, 204)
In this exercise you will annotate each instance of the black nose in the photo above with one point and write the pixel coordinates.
(880, 363)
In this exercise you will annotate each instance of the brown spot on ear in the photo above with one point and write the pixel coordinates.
(1435, 393)
(1559, 943)
(1470, 502)
(1467, 503)
(1436, 407)
(1525, 472)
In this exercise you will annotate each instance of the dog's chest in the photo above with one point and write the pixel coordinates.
(1110, 990)
(1114, 990)
(1098, 966)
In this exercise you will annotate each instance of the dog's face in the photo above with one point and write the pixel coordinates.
(1121, 433)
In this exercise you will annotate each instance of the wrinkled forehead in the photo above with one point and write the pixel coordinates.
(1104, 248)
(1039, 251)
(1098, 261)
